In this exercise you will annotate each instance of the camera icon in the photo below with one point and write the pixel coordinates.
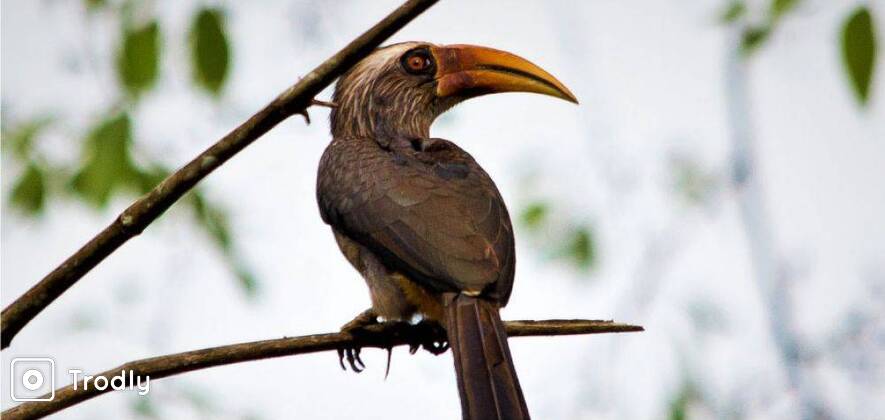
(32, 379)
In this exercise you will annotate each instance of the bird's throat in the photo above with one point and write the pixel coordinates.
(379, 116)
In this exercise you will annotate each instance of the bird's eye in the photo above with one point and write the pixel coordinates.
(417, 61)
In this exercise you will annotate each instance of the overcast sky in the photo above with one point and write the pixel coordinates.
(651, 78)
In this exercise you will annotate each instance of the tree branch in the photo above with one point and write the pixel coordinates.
(379, 336)
(149, 207)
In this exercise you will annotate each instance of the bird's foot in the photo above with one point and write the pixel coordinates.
(364, 319)
(430, 330)
(354, 327)
(426, 334)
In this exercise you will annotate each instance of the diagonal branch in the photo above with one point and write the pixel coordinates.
(378, 336)
(148, 208)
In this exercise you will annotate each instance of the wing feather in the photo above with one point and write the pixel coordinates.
(447, 228)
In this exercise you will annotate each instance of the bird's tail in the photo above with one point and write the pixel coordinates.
(487, 381)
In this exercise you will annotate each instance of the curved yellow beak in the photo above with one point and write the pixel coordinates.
(470, 71)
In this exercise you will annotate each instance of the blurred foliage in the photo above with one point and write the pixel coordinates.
(200, 399)
(534, 215)
(679, 405)
(859, 51)
(143, 406)
(29, 192)
(138, 61)
(107, 163)
(778, 8)
(95, 4)
(692, 182)
(734, 11)
(107, 167)
(215, 221)
(755, 34)
(210, 53)
(580, 248)
(572, 243)
(858, 38)
(247, 279)
(21, 139)
(753, 37)
(201, 402)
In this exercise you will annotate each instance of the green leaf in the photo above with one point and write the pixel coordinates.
(752, 39)
(533, 215)
(734, 11)
(779, 8)
(247, 279)
(29, 192)
(210, 52)
(138, 61)
(859, 51)
(581, 249)
(20, 141)
(107, 163)
(213, 220)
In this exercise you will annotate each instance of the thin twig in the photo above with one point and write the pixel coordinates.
(327, 104)
(379, 336)
(148, 208)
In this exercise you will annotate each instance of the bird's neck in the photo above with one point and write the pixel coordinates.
(378, 117)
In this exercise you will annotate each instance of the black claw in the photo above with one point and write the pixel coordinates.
(341, 359)
(356, 356)
(389, 354)
(352, 361)
(354, 329)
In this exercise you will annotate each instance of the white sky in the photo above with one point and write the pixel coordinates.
(650, 78)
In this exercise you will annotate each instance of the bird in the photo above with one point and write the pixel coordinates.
(417, 216)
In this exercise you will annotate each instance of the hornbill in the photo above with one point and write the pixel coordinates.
(417, 216)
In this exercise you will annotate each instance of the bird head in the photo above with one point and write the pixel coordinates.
(401, 89)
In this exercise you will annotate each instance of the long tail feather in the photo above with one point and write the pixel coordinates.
(487, 380)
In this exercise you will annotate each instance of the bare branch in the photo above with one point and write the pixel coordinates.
(148, 208)
(378, 336)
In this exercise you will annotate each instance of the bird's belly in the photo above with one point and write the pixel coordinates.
(394, 296)
(425, 303)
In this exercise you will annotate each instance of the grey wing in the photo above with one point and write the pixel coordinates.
(440, 220)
